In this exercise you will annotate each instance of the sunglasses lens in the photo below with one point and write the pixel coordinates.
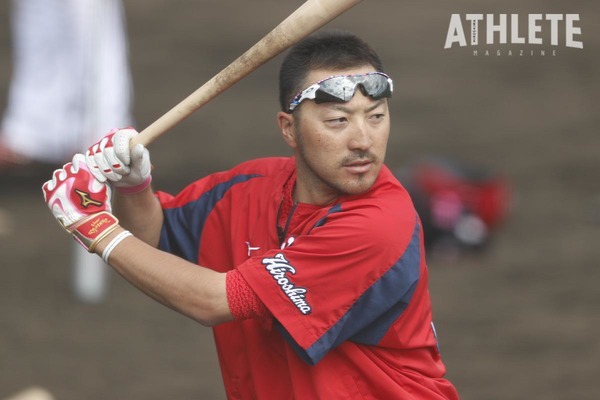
(341, 89)
(377, 86)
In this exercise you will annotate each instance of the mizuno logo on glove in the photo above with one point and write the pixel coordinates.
(86, 200)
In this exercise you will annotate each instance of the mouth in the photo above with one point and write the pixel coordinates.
(358, 166)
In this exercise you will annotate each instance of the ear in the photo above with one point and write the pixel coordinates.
(287, 128)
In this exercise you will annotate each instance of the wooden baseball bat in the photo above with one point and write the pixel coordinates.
(309, 17)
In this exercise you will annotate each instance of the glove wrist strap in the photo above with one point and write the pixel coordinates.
(93, 229)
(134, 189)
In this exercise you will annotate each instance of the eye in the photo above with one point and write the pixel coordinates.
(336, 122)
(377, 117)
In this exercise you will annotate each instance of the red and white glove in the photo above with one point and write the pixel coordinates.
(80, 203)
(111, 161)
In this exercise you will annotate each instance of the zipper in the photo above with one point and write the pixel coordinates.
(282, 233)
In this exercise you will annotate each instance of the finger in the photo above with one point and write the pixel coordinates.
(103, 161)
(51, 183)
(77, 160)
(137, 153)
(116, 152)
(121, 141)
(93, 166)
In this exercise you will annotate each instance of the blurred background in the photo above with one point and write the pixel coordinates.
(515, 315)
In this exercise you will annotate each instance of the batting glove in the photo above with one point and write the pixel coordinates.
(80, 203)
(111, 160)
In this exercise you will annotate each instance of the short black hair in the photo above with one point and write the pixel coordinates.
(324, 50)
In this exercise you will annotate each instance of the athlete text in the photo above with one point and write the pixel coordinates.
(497, 26)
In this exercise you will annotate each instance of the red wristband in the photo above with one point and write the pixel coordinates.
(243, 302)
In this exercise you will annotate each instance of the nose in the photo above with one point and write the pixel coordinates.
(360, 137)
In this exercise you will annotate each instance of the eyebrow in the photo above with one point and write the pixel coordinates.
(341, 107)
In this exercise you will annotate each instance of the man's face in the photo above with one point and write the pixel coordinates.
(339, 147)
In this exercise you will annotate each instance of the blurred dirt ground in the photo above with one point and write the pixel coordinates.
(516, 322)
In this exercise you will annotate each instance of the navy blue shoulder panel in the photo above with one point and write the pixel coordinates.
(376, 310)
(333, 209)
(182, 227)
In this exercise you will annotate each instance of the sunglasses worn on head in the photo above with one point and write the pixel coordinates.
(341, 88)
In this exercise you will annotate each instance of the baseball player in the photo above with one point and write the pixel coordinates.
(310, 269)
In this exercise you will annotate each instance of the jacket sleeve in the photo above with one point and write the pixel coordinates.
(349, 278)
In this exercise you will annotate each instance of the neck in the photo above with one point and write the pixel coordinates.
(308, 194)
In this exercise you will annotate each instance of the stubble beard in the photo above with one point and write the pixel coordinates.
(355, 185)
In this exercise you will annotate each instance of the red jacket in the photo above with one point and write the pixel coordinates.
(347, 285)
